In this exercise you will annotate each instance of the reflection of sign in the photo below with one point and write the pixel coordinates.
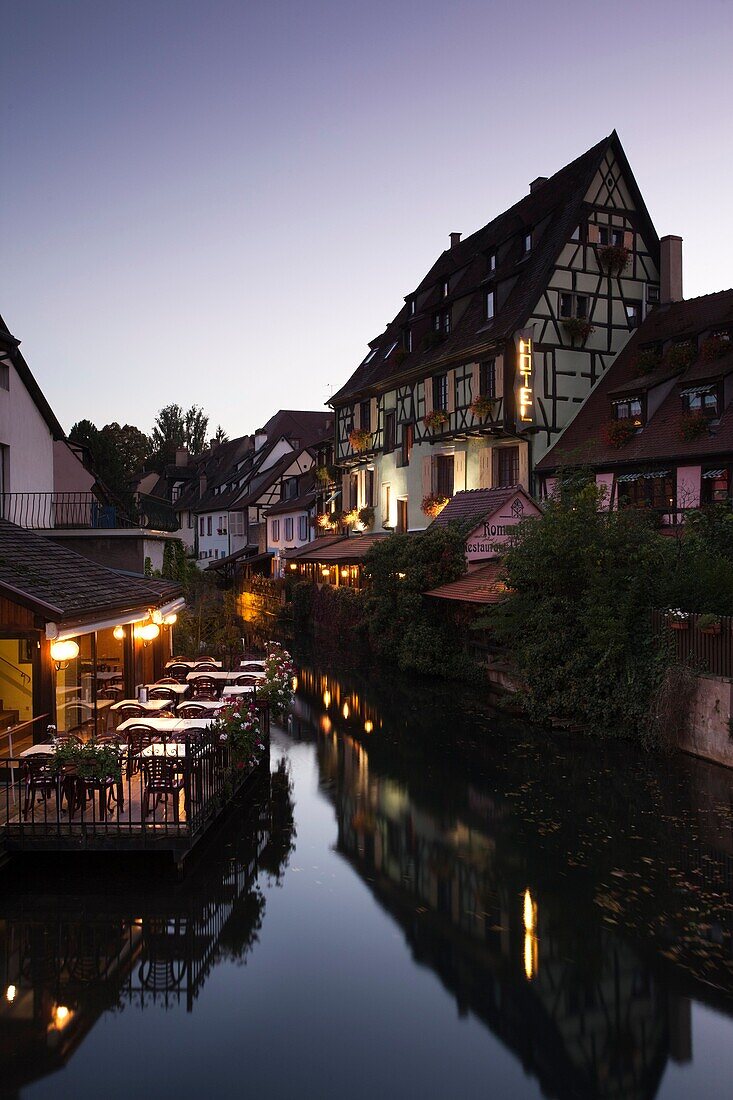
(524, 369)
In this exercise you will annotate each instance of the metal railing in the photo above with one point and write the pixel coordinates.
(42, 807)
(68, 511)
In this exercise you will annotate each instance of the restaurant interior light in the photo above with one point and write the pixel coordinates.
(10, 994)
(64, 651)
(119, 633)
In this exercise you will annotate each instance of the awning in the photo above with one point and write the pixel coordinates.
(690, 391)
(60, 633)
(715, 473)
(645, 477)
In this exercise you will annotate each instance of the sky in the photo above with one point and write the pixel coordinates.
(220, 202)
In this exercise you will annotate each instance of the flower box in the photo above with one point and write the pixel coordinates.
(619, 432)
(483, 406)
(435, 419)
(614, 258)
(578, 328)
(360, 439)
(433, 504)
(693, 426)
(677, 624)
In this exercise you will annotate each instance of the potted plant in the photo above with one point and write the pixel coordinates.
(325, 520)
(614, 258)
(238, 726)
(647, 361)
(714, 347)
(680, 356)
(277, 687)
(708, 624)
(578, 328)
(433, 504)
(360, 439)
(350, 519)
(693, 426)
(677, 619)
(435, 419)
(482, 406)
(89, 760)
(619, 432)
(366, 517)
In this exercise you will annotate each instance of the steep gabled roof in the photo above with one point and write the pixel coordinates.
(61, 585)
(584, 441)
(10, 346)
(551, 211)
(474, 505)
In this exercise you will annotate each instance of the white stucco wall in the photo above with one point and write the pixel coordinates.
(29, 466)
(69, 473)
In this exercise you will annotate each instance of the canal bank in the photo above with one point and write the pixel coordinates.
(383, 934)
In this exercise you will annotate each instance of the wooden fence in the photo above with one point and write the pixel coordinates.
(709, 650)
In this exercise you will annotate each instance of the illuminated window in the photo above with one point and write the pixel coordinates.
(716, 486)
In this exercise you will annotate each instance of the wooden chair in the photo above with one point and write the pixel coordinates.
(161, 779)
(39, 779)
(138, 737)
(193, 710)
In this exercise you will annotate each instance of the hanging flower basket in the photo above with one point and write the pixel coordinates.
(435, 419)
(433, 504)
(360, 439)
(693, 426)
(647, 361)
(578, 328)
(614, 258)
(326, 475)
(325, 520)
(709, 624)
(366, 517)
(619, 432)
(678, 620)
(350, 519)
(483, 406)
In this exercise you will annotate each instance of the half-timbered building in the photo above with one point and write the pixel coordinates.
(493, 353)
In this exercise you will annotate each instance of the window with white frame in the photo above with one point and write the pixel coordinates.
(236, 524)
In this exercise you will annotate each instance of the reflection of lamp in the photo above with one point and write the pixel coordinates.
(346, 710)
(119, 633)
(530, 938)
(10, 994)
(64, 651)
(327, 699)
(170, 620)
(368, 726)
(61, 1016)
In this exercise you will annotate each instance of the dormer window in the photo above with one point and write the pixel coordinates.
(492, 262)
(629, 408)
(702, 400)
(408, 340)
(412, 306)
(370, 355)
(390, 349)
(441, 321)
(445, 288)
(527, 243)
(490, 304)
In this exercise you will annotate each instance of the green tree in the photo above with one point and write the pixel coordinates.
(117, 452)
(219, 436)
(577, 622)
(174, 429)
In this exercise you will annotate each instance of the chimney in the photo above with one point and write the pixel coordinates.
(670, 269)
(536, 184)
(182, 456)
(455, 239)
(202, 484)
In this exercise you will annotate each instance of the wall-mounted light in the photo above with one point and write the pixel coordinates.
(170, 620)
(147, 633)
(325, 570)
(64, 651)
(292, 565)
(61, 1016)
(119, 633)
(10, 994)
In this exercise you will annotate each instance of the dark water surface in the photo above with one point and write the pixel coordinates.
(427, 900)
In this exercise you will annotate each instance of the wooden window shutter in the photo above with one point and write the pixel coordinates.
(524, 466)
(374, 414)
(451, 391)
(428, 387)
(459, 471)
(475, 381)
(375, 494)
(629, 240)
(357, 415)
(499, 376)
(427, 475)
(593, 234)
(485, 468)
(345, 492)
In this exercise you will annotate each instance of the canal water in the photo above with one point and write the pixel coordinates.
(425, 900)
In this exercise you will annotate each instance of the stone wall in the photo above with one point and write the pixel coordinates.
(709, 731)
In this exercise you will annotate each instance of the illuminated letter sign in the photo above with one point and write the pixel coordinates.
(524, 370)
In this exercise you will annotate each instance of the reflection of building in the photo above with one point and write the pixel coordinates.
(576, 1003)
(152, 940)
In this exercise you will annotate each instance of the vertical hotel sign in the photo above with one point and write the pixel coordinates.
(524, 391)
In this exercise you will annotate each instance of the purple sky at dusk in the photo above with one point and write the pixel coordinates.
(221, 202)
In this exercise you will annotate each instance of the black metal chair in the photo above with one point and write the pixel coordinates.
(161, 780)
(193, 710)
(39, 779)
(162, 692)
(178, 672)
(138, 737)
(129, 710)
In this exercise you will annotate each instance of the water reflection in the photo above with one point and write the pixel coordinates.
(144, 939)
(506, 880)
